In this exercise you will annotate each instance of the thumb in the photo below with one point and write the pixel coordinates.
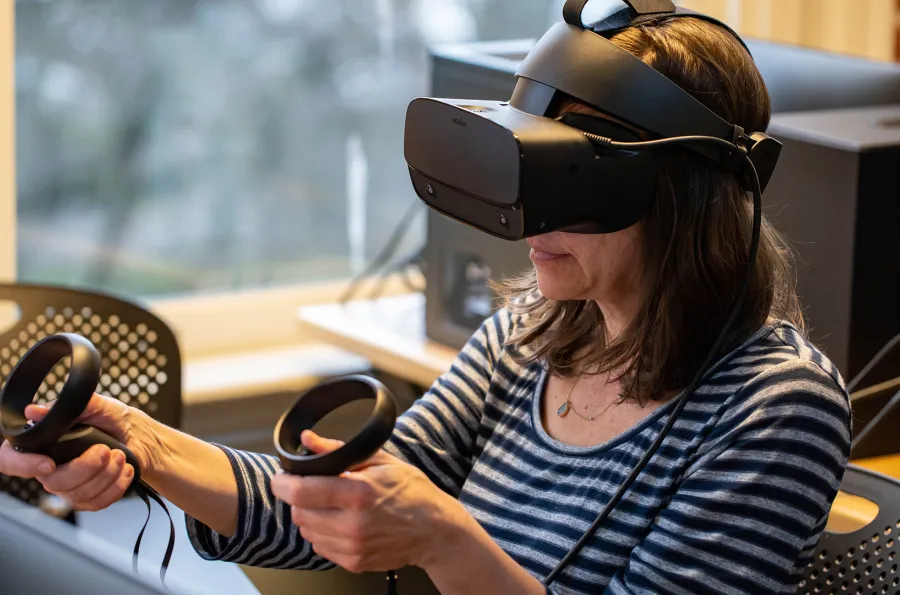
(317, 444)
(105, 413)
(101, 412)
(35, 412)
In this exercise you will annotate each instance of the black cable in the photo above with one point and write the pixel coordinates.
(608, 143)
(869, 427)
(391, 582)
(713, 352)
(882, 353)
(385, 255)
(402, 266)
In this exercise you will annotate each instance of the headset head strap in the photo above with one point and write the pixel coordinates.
(635, 14)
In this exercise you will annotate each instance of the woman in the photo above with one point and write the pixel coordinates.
(491, 477)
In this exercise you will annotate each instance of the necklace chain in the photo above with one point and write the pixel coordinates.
(568, 406)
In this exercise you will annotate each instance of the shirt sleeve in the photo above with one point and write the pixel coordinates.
(265, 535)
(749, 512)
(436, 434)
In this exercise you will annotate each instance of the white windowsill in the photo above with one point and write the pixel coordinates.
(264, 372)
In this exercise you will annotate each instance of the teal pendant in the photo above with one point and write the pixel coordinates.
(563, 409)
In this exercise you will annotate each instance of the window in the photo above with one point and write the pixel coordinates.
(172, 147)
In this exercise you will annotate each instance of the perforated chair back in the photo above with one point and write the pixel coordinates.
(140, 359)
(862, 562)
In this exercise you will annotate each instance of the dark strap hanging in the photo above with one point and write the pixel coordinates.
(147, 493)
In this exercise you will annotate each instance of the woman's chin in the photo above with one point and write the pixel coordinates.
(558, 289)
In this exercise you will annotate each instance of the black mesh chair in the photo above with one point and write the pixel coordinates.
(141, 362)
(862, 562)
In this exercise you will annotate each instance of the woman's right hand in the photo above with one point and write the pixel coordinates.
(100, 476)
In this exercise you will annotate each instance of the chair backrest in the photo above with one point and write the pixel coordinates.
(864, 561)
(140, 358)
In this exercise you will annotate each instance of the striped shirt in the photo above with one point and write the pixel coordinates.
(734, 500)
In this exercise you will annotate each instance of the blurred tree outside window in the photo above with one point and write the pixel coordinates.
(169, 147)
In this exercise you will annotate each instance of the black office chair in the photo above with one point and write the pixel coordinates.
(862, 562)
(141, 362)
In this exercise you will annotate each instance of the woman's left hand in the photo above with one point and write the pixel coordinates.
(383, 514)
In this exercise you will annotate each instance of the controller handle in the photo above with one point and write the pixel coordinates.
(57, 435)
(80, 438)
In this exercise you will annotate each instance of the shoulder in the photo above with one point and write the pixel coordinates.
(781, 356)
(787, 381)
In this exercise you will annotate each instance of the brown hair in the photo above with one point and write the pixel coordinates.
(696, 237)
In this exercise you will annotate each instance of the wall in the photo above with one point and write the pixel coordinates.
(867, 28)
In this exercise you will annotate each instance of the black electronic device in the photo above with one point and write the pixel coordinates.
(58, 435)
(507, 169)
(835, 197)
(511, 170)
(319, 401)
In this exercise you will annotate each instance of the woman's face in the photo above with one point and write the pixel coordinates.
(606, 268)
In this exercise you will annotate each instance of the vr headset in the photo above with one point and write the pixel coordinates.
(512, 170)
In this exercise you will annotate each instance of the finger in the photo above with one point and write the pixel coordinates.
(21, 464)
(113, 493)
(101, 412)
(327, 545)
(78, 471)
(101, 482)
(319, 444)
(323, 492)
(36, 412)
(354, 563)
(321, 520)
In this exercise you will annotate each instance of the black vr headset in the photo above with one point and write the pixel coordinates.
(512, 170)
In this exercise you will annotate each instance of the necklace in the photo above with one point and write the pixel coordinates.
(567, 406)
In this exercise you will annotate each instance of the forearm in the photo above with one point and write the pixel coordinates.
(194, 475)
(469, 561)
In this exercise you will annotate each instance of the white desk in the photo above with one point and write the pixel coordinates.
(389, 332)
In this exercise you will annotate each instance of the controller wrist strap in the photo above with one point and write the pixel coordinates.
(146, 493)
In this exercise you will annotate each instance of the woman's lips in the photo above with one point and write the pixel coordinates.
(537, 255)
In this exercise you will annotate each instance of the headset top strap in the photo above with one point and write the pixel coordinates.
(638, 12)
(636, 8)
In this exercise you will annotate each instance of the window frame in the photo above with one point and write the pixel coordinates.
(8, 212)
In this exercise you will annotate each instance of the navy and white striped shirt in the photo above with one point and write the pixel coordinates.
(734, 501)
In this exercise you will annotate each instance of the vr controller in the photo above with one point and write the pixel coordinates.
(318, 402)
(57, 435)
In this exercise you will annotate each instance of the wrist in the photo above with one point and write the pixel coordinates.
(145, 436)
(449, 532)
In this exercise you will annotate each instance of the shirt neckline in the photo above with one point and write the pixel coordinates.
(559, 446)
